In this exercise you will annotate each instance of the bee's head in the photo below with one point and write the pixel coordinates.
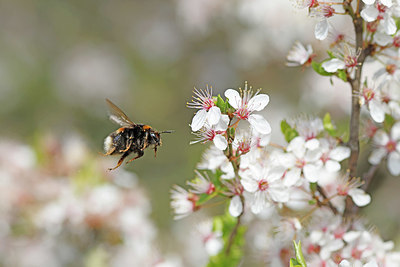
(155, 138)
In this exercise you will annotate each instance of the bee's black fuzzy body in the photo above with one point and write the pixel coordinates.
(131, 138)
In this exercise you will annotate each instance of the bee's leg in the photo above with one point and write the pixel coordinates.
(128, 146)
(108, 153)
(120, 161)
(155, 151)
(140, 153)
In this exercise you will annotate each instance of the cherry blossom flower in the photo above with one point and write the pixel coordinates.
(387, 146)
(371, 98)
(264, 183)
(299, 160)
(309, 128)
(300, 55)
(214, 133)
(381, 12)
(349, 187)
(212, 240)
(183, 202)
(202, 184)
(208, 111)
(245, 104)
(332, 155)
(346, 59)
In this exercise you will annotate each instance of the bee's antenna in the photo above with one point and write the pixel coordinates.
(168, 131)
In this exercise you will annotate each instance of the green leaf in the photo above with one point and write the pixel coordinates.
(299, 254)
(388, 122)
(319, 69)
(294, 263)
(330, 54)
(288, 131)
(328, 125)
(342, 75)
(313, 187)
(221, 104)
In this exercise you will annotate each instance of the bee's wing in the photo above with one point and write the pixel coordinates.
(118, 116)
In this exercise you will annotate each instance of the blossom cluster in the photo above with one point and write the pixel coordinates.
(260, 177)
(327, 240)
(54, 215)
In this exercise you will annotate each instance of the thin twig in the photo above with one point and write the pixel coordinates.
(233, 235)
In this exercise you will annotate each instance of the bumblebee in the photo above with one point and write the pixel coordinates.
(130, 138)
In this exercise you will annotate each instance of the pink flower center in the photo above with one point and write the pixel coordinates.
(356, 253)
(208, 103)
(209, 135)
(325, 157)
(391, 146)
(381, 8)
(211, 189)
(244, 147)
(313, 249)
(368, 94)
(342, 190)
(242, 113)
(193, 198)
(263, 185)
(328, 11)
(396, 41)
(350, 61)
(300, 163)
(372, 26)
(391, 68)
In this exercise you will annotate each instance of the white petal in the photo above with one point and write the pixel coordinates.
(321, 29)
(376, 156)
(382, 39)
(234, 98)
(279, 194)
(369, 2)
(333, 65)
(259, 124)
(360, 198)
(250, 185)
(291, 177)
(222, 124)
(259, 202)
(395, 131)
(344, 263)
(389, 25)
(351, 236)
(236, 206)
(297, 146)
(340, 153)
(213, 115)
(393, 163)
(275, 173)
(312, 144)
(387, 3)
(213, 246)
(198, 120)
(220, 142)
(377, 111)
(381, 138)
(372, 263)
(258, 102)
(370, 13)
(332, 166)
(311, 172)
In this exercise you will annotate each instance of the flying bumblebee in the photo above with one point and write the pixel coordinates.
(130, 138)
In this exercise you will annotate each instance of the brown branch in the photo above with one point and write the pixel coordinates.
(321, 191)
(367, 177)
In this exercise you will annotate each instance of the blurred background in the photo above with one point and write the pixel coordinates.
(59, 60)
